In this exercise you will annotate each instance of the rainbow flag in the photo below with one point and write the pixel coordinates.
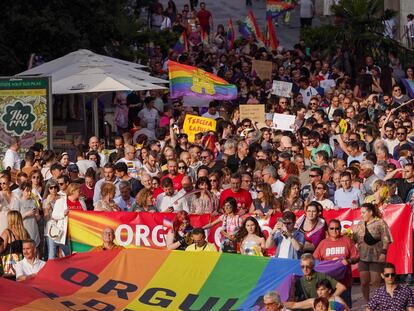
(181, 46)
(274, 8)
(249, 26)
(230, 34)
(409, 87)
(271, 40)
(147, 279)
(191, 81)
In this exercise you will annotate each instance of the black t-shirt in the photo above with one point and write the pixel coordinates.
(404, 187)
(234, 163)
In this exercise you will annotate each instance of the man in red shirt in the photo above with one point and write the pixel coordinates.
(176, 177)
(242, 196)
(205, 18)
(335, 247)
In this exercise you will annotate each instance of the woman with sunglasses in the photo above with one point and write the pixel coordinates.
(397, 96)
(179, 236)
(29, 209)
(322, 196)
(182, 167)
(50, 197)
(265, 204)
(215, 181)
(373, 237)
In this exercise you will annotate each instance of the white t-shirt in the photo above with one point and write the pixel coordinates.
(284, 248)
(164, 202)
(277, 188)
(211, 116)
(307, 94)
(134, 167)
(150, 117)
(23, 267)
(12, 159)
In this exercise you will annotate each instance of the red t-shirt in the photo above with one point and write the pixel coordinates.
(74, 206)
(242, 197)
(204, 18)
(176, 181)
(88, 194)
(343, 248)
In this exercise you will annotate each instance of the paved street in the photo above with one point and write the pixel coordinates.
(222, 10)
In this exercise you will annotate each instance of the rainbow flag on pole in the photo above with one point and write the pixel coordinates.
(230, 34)
(249, 27)
(148, 279)
(191, 81)
(181, 46)
(204, 38)
(271, 40)
(274, 8)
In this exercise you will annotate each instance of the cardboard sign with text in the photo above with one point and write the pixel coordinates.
(195, 124)
(281, 88)
(263, 69)
(256, 113)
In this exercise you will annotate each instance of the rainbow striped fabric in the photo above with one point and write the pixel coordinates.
(181, 46)
(271, 40)
(274, 8)
(191, 81)
(148, 279)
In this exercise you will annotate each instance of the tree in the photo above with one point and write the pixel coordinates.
(56, 27)
(358, 28)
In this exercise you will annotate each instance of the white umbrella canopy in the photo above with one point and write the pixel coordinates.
(98, 80)
(79, 58)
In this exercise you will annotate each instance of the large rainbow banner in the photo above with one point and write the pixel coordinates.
(149, 229)
(191, 81)
(147, 279)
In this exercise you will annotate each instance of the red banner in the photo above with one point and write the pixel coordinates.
(149, 229)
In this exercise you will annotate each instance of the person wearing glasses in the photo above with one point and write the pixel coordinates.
(288, 240)
(306, 285)
(273, 302)
(50, 197)
(373, 237)
(336, 246)
(391, 296)
(347, 196)
(397, 95)
(403, 142)
(200, 244)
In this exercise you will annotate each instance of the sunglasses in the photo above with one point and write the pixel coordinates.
(53, 187)
(204, 157)
(400, 134)
(259, 191)
(320, 188)
(213, 180)
(181, 167)
(306, 267)
(35, 177)
(313, 176)
(61, 184)
(334, 228)
(387, 275)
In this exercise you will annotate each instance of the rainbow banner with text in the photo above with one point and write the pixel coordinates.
(147, 279)
(149, 229)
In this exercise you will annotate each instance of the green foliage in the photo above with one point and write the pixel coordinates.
(359, 28)
(56, 27)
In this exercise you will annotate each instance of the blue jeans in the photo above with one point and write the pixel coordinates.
(52, 246)
(346, 296)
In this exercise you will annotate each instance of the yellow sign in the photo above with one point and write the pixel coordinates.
(195, 124)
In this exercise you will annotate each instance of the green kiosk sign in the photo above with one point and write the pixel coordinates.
(24, 111)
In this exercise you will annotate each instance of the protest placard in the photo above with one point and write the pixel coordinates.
(281, 88)
(195, 124)
(255, 113)
(263, 69)
(283, 122)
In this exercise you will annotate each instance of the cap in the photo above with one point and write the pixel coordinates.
(73, 168)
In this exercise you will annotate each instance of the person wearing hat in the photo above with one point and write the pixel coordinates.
(73, 171)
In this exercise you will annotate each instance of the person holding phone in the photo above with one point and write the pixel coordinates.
(288, 240)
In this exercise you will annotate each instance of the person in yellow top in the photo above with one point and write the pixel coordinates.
(199, 242)
(108, 237)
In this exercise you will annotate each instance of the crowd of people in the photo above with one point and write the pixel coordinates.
(351, 146)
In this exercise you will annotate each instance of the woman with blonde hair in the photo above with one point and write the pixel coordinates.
(7, 200)
(380, 195)
(107, 203)
(144, 201)
(59, 228)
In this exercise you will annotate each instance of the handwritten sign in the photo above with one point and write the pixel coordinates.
(281, 88)
(255, 113)
(195, 124)
(263, 69)
(283, 122)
